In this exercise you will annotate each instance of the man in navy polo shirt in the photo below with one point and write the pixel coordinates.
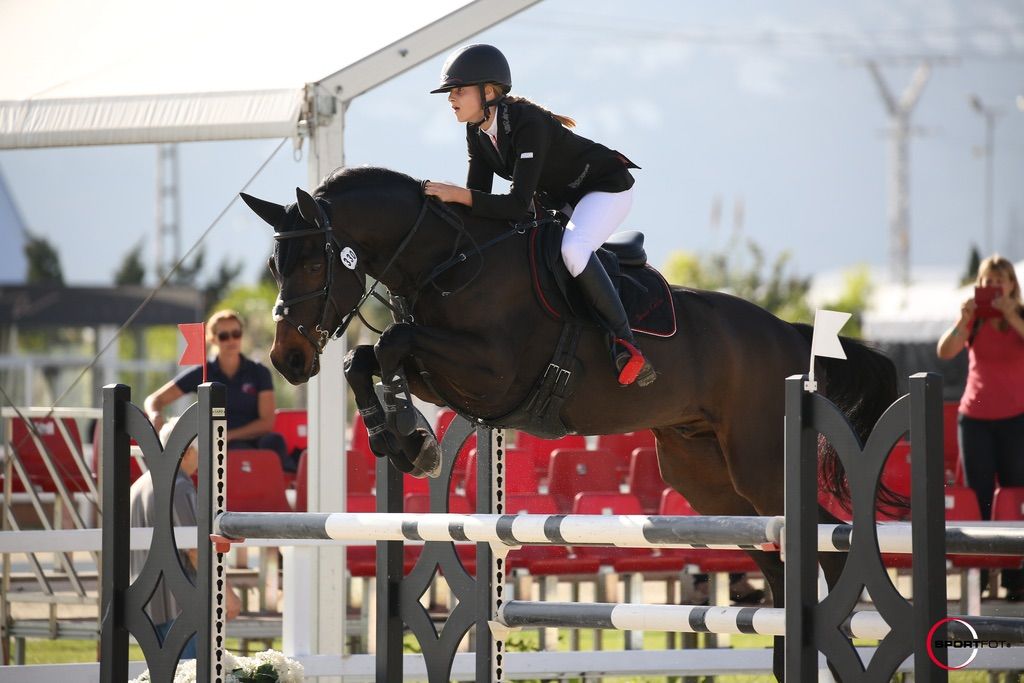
(249, 390)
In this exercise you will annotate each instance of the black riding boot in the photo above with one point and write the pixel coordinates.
(600, 293)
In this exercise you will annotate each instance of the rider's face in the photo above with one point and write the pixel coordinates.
(466, 104)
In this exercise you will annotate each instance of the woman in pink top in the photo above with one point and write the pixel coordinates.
(992, 408)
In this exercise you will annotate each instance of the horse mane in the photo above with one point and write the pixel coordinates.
(361, 177)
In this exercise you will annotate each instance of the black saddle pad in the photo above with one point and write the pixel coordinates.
(644, 292)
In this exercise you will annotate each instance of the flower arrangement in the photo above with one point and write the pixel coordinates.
(269, 666)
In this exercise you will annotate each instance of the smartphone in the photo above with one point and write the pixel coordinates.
(983, 296)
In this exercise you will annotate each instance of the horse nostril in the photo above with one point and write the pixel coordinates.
(296, 360)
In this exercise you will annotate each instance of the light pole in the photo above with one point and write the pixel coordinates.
(990, 114)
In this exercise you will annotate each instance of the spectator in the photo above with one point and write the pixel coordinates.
(991, 419)
(163, 608)
(250, 392)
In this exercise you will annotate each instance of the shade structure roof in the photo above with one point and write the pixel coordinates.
(91, 72)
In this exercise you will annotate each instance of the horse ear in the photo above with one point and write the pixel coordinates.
(270, 212)
(308, 209)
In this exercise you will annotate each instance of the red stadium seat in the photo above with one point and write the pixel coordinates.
(63, 460)
(255, 482)
(540, 449)
(1008, 504)
(572, 470)
(621, 446)
(293, 426)
(644, 479)
(520, 477)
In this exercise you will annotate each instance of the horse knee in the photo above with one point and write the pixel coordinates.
(360, 363)
(395, 344)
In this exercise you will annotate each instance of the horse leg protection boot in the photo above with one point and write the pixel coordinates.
(600, 293)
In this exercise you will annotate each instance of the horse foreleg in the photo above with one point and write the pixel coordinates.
(360, 366)
(394, 346)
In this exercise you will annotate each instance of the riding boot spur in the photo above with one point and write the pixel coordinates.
(603, 298)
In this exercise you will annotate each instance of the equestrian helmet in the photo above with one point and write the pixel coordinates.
(474, 65)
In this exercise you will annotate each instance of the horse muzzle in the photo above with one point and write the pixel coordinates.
(296, 360)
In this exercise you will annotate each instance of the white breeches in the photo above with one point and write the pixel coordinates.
(593, 221)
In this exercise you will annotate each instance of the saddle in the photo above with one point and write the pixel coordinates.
(644, 292)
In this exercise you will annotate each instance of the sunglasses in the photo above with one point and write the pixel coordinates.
(233, 334)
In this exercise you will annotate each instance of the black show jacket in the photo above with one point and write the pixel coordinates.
(539, 155)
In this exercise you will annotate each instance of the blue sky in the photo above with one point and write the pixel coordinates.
(764, 104)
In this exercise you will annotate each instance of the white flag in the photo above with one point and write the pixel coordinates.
(826, 334)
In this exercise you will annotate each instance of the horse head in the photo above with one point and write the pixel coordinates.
(320, 277)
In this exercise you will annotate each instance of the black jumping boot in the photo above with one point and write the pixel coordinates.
(600, 293)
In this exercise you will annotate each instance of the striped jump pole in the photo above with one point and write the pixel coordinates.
(627, 531)
(766, 621)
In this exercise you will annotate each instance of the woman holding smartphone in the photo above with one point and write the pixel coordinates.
(991, 420)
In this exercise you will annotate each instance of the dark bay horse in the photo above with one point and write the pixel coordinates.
(474, 338)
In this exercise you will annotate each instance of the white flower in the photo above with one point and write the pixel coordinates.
(287, 670)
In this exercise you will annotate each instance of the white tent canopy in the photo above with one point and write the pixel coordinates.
(97, 72)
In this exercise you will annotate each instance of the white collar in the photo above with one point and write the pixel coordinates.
(492, 130)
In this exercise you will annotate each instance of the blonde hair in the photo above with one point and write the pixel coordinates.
(1001, 266)
(219, 317)
(502, 91)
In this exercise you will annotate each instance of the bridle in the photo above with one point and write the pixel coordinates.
(320, 335)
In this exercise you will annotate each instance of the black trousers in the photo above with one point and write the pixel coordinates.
(993, 452)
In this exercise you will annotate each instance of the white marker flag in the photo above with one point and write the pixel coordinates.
(825, 341)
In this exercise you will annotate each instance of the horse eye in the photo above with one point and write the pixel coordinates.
(315, 267)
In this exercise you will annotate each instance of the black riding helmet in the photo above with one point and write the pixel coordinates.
(475, 65)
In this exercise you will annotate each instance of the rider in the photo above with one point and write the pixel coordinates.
(534, 148)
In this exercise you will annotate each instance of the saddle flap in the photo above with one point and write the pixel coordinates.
(645, 294)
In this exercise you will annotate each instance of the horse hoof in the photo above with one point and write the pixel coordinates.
(428, 462)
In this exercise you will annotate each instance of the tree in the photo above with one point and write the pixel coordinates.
(973, 261)
(131, 271)
(854, 298)
(188, 275)
(742, 275)
(43, 262)
(218, 285)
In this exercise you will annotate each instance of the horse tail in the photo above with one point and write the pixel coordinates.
(863, 386)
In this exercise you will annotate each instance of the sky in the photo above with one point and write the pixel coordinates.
(765, 110)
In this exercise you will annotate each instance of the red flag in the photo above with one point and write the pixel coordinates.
(195, 345)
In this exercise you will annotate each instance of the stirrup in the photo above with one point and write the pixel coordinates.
(632, 366)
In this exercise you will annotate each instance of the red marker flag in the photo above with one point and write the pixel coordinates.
(195, 345)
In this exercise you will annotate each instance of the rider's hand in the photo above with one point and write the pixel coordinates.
(448, 193)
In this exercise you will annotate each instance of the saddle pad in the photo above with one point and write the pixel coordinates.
(645, 294)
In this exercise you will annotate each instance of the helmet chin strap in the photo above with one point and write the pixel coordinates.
(487, 104)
